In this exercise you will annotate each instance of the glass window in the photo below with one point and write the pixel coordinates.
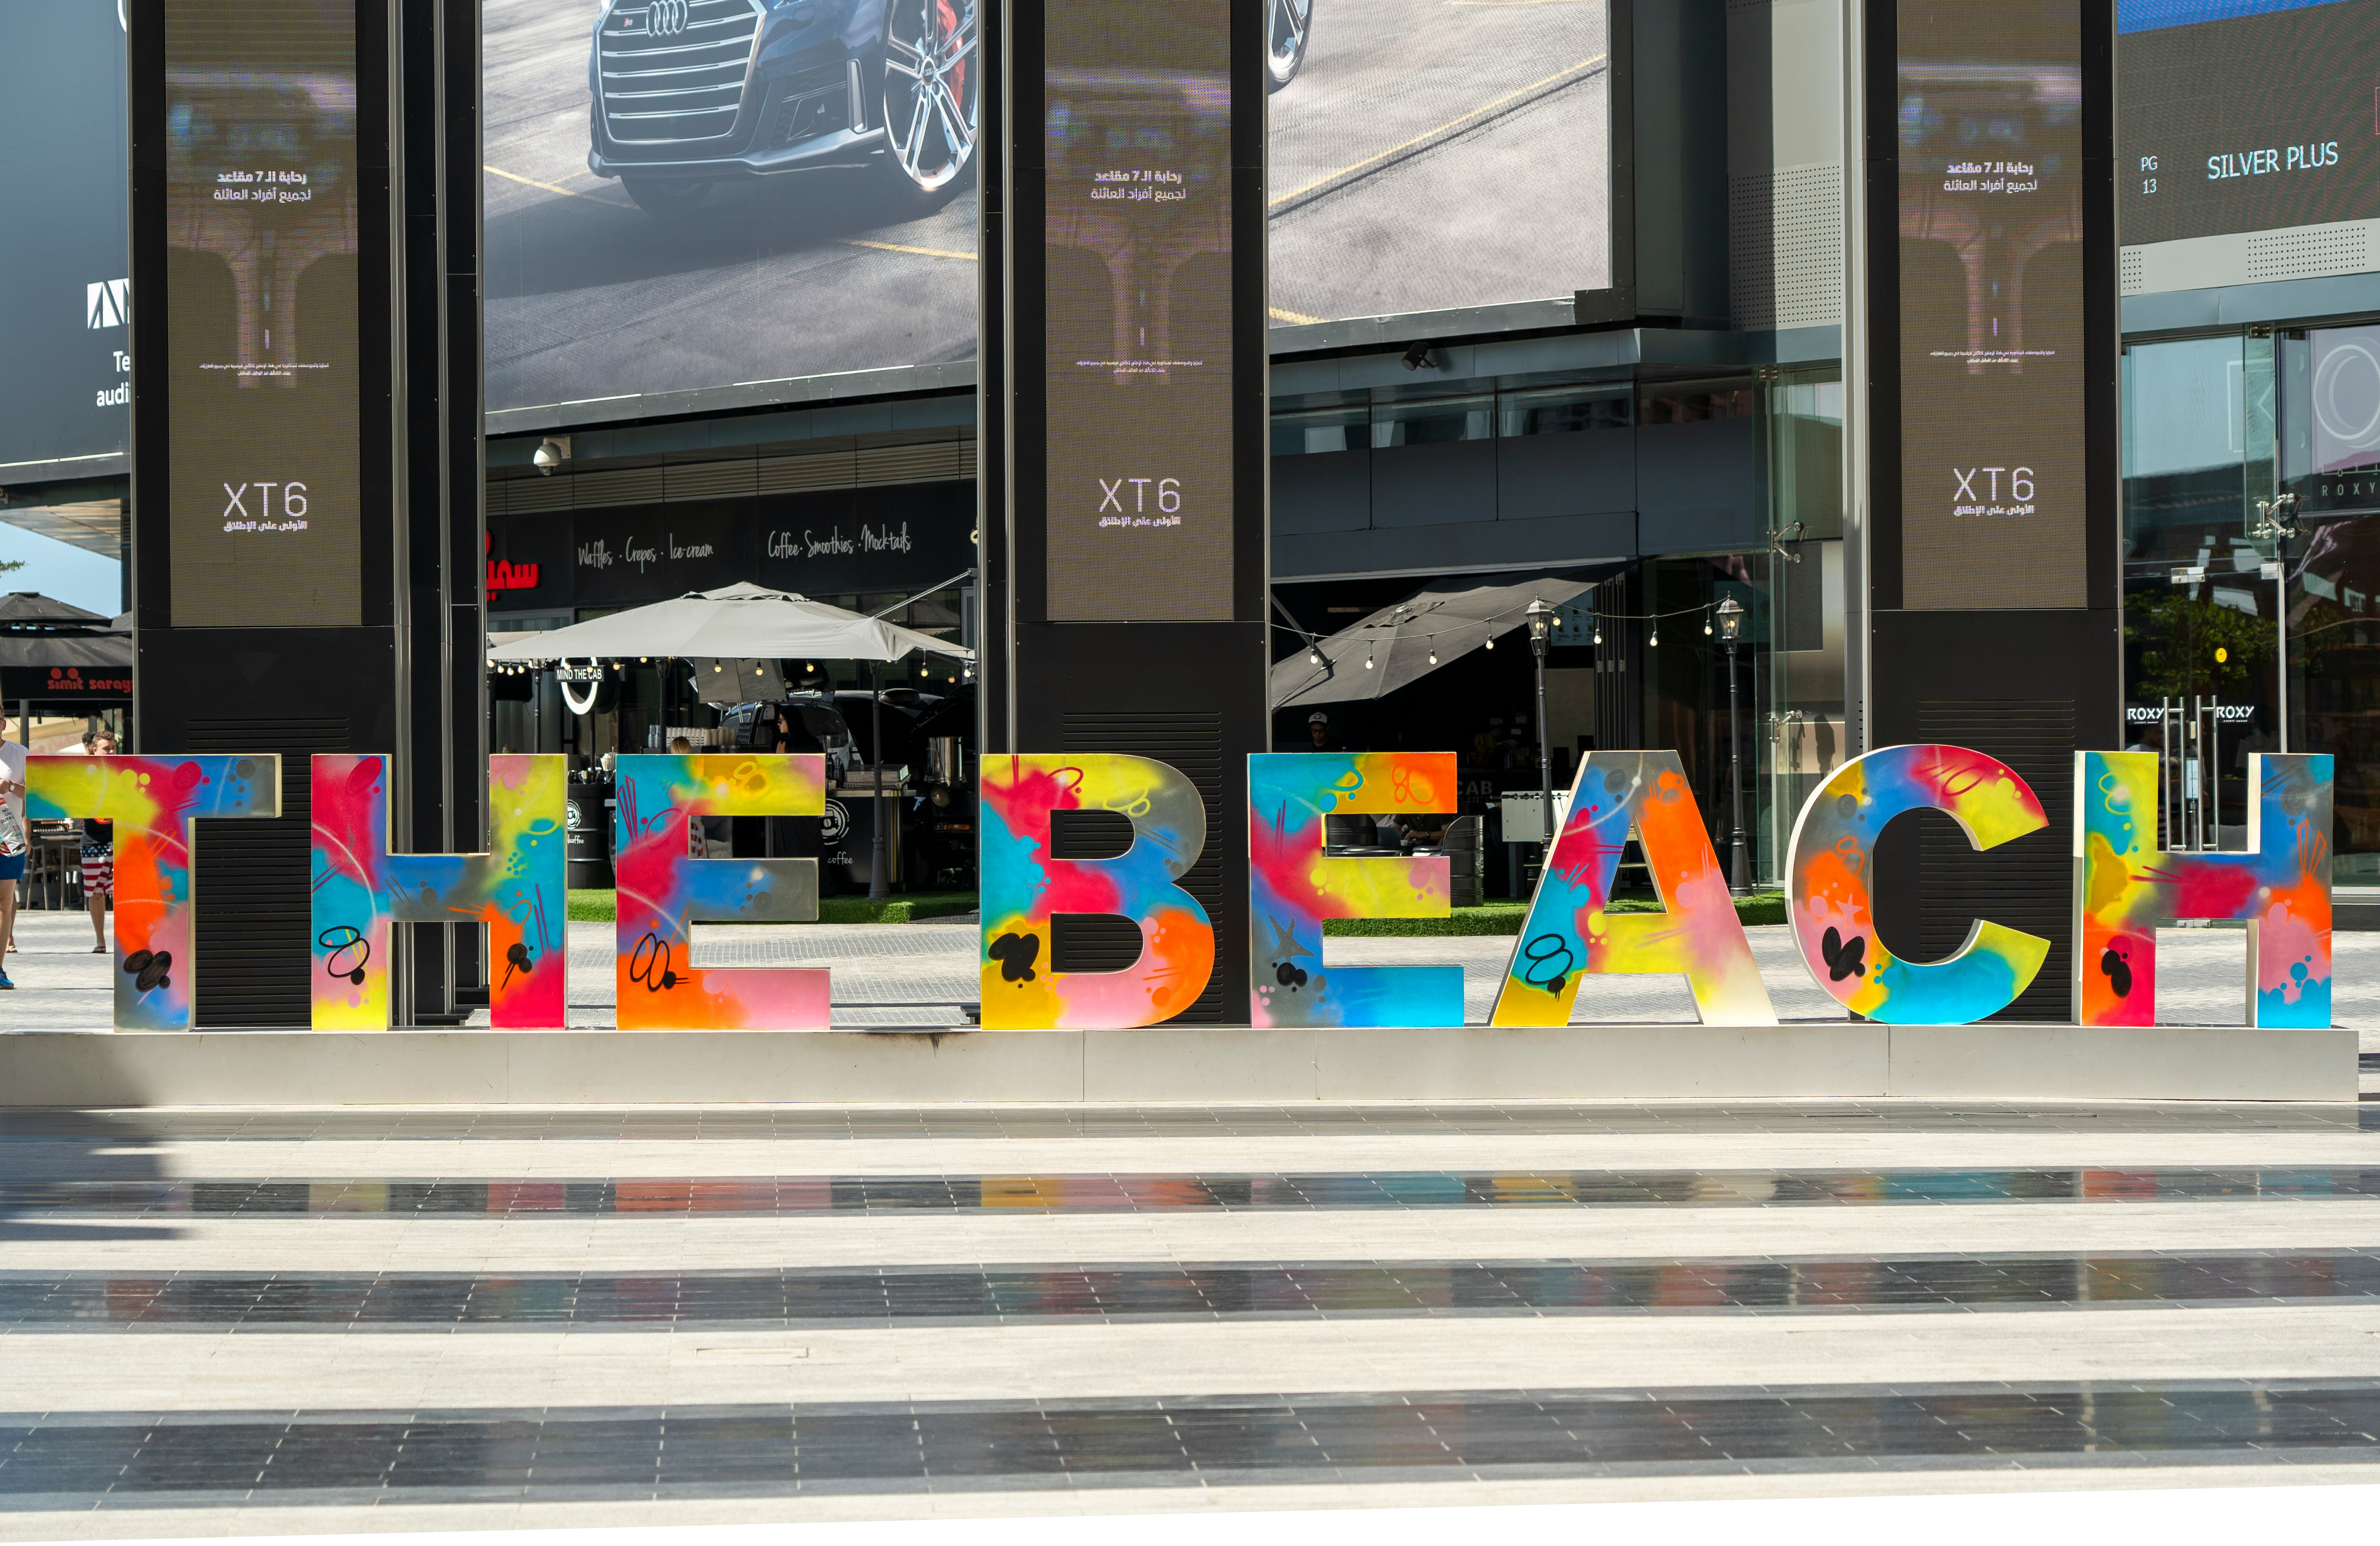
(1801, 590)
(1806, 454)
(1564, 410)
(1439, 422)
(2330, 403)
(1696, 402)
(2184, 448)
(1319, 430)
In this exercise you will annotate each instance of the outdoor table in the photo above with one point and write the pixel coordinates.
(53, 865)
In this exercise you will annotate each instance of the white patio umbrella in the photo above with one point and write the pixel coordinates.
(744, 622)
(741, 621)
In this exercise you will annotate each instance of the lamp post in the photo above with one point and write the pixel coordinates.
(1730, 632)
(877, 887)
(1541, 638)
(2277, 523)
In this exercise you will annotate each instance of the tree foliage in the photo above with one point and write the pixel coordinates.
(2180, 636)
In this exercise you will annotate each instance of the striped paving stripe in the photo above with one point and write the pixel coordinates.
(1076, 1121)
(781, 1195)
(186, 1370)
(134, 1458)
(565, 1160)
(395, 1242)
(958, 1295)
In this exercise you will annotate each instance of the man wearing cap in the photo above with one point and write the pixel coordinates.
(1317, 728)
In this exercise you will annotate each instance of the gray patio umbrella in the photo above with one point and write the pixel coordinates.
(21, 609)
(83, 651)
(1404, 642)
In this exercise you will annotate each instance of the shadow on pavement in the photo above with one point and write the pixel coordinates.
(45, 1146)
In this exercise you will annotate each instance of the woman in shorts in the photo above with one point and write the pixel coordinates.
(99, 852)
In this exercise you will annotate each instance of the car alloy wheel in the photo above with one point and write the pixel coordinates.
(1292, 24)
(932, 100)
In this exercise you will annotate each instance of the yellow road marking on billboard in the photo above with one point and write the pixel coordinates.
(555, 187)
(1450, 122)
(918, 251)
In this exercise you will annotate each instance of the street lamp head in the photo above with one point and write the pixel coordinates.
(1541, 627)
(1730, 620)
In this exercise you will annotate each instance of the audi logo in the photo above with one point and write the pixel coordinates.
(667, 18)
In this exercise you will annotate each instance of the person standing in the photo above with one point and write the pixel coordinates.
(13, 843)
(98, 851)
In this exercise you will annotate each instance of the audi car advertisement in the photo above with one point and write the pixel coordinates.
(64, 368)
(685, 194)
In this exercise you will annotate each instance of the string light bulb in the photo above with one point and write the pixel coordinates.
(1313, 655)
(1367, 656)
(1707, 626)
(1599, 632)
(1433, 655)
(1491, 644)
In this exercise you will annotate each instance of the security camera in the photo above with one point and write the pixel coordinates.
(1419, 358)
(552, 454)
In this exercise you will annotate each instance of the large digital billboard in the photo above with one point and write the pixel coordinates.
(2240, 116)
(263, 377)
(64, 344)
(685, 194)
(1992, 188)
(1136, 238)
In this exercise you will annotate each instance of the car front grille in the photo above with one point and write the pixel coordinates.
(671, 72)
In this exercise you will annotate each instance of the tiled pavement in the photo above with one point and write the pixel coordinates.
(285, 1321)
(229, 1320)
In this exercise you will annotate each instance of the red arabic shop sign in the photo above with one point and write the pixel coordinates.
(503, 575)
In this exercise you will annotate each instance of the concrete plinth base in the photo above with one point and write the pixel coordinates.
(1839, 1060)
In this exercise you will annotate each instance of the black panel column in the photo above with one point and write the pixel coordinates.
(305, 530)
(1125, 551)
(1988, 340)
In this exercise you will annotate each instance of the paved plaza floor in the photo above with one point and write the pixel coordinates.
(279, 1321)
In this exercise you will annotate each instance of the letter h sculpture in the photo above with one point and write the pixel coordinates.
(2125, 885)
(516, 888)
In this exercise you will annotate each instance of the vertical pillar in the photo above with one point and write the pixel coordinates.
(305, 530)
(1983, 344)
(1126, 570)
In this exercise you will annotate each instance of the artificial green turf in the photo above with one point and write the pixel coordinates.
(596, 907)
